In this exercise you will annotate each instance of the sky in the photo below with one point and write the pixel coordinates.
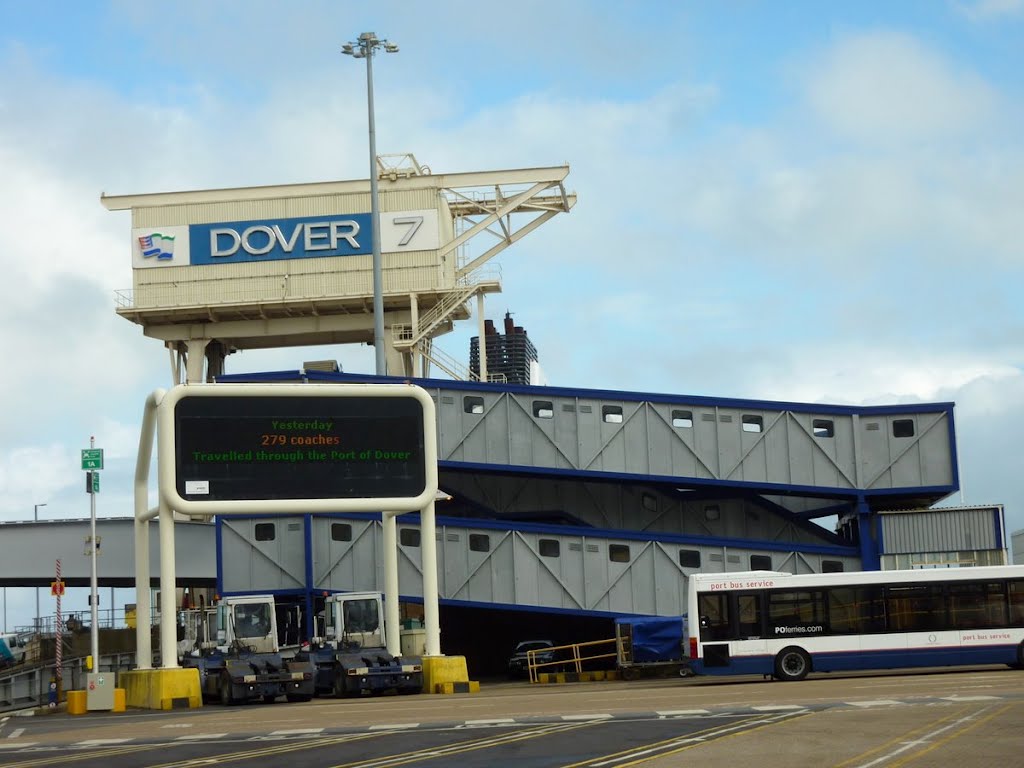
(801, 201)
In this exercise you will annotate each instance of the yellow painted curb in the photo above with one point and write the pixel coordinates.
(472, 686)
(577, 677)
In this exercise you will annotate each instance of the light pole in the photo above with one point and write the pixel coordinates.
(364, 48)
(39, 621)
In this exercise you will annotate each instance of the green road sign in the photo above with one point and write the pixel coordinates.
(92, 458)
(95, 482)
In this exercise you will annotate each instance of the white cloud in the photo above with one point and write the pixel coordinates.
(890, 89)
(989, 10)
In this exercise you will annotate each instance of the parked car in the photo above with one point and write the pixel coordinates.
(517, 662)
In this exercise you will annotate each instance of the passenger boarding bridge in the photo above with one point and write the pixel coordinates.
(601, 503)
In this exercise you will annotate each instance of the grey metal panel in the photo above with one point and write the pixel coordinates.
(923, 459)
(349, 566)
(28, 552)
(1017, 545)
(248, 564)
(940, 530)
(754, 445)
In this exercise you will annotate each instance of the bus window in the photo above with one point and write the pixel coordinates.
(795, 608)
(748, 610)
(714, 617)
(972, 606)
(915, 608)
(1016, 603)
(855, 610)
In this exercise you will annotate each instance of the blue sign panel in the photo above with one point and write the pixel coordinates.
(274, 239)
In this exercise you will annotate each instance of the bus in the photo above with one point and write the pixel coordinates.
(12, 649)
(786, 626)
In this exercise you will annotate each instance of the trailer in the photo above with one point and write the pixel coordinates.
(651, 646)
(351, 656)
(235, 648)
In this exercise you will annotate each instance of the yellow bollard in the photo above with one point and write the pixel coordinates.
(76, 703)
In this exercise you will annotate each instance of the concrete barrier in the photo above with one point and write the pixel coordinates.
(443, 674)
(162, 688)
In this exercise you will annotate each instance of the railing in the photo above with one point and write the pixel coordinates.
(576, 661)
(28, 685)
(453, 367)
(463, 291)
(107, 618)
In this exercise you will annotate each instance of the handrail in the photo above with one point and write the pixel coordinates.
(532, 665)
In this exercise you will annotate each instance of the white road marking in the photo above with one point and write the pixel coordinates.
(296, 731)
(926, 739)
(196, 736)
(20, 745)
(572, 718)
(99, 742)
(954, 697)
(876, 703)
(393, 726)
(776, 707)
(494, 721)
(682, 712)
(16, 733)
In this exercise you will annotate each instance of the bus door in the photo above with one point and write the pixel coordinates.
(731, 624)
(749, 624)
(714, 629)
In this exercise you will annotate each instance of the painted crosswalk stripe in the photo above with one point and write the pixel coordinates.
(296, 731)
(682, 712)
(493, 721)
(99, 742)
(877, 703)
(197, 736)
(776, 707)
(393, 726)
(19, 745)
(972, 698)
(586, 717)
(16, 733)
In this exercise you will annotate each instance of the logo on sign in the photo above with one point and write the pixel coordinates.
(165, 246)
(157, 245)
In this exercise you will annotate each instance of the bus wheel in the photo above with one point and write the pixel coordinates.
(792, 664)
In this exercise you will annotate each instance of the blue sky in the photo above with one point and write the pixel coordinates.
(803, 201)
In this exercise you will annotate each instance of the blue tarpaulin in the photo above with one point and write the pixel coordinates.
(655, 638)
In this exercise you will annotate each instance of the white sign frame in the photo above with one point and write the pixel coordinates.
(166, 453)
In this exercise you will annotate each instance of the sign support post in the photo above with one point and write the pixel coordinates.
(93, 601)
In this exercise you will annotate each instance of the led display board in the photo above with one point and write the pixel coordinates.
(248, 448)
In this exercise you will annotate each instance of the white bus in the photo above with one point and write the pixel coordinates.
(784, 625)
